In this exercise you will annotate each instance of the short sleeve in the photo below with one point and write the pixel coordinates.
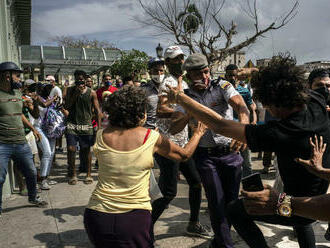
(262, 137)
(227, 90)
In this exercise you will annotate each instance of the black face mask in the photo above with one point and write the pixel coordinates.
(16, 85)
(324, 92)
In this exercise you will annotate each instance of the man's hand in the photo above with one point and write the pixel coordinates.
(170, 95)
(198, 129)
(236, 146)
(261, 202)
(314, 164)
(37, 135)
(244, 73)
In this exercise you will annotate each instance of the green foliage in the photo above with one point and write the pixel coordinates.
(192, 19)
(130, 64)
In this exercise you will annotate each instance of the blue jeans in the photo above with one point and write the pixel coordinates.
(20, 153)
(221, 176)
(47, 146)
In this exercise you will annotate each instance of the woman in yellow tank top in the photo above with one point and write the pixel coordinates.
(118, 214)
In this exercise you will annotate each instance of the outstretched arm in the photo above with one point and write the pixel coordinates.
(206, 115)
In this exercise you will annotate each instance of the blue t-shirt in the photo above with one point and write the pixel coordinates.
(245, 93)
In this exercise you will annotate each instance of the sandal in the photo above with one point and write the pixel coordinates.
(73, 181)
(88, 180)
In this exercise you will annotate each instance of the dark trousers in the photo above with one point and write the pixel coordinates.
(250, 232)
(125, 230)
(221, 176)
(168, 186)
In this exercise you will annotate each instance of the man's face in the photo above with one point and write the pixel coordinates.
(15, 76)
(320, 82)
(107, 80)
(231, 76)
(89, 82)
(199, 78)
(80, 82)
(157, 70)
(177, 60)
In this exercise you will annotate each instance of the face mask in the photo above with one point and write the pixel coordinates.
(158, 78)
(107, 83)
(15, 85)
(175, 69)
(324, 92)
(199, 84)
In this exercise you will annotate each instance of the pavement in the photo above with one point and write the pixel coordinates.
(61, 223)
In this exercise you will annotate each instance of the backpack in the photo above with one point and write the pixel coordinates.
(53, 123)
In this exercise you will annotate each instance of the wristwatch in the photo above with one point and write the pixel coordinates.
(284, 205)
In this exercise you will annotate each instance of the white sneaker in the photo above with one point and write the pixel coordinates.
(45, 185)
(51, 182)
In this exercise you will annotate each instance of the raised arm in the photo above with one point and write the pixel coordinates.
(178, 122)
(212, 119)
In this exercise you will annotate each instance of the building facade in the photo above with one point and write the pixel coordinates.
(15, 30)
(237, 58)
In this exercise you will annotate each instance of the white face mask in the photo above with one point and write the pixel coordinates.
(158, 78)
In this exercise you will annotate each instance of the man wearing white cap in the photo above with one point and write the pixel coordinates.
(56, 91)
(174, 58)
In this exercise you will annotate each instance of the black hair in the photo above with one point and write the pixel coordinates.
(231, 67)
(281, 83)
(126, 107)
(106, 75)
(319, 72)
(126, 79)
(78, 73)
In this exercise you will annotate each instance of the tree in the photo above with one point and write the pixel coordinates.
(130, 64)
(200, 29)
(69, 41)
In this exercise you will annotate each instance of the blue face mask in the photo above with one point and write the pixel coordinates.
(107, 83)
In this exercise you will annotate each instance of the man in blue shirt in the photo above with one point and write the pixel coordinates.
(218, 165)
(231, 76)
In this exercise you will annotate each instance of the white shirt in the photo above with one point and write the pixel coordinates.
(56, 91)
(164, 124)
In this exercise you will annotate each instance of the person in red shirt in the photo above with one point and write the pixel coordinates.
(107, 86)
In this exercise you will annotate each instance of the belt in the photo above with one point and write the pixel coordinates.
(217, 150)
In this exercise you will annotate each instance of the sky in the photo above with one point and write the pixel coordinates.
(306, 37)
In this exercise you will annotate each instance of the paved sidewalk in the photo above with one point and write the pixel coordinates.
(61, 224)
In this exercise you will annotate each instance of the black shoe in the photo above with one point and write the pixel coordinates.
(199, 230)
(38, 202)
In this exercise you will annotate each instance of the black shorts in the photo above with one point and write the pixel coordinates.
(85, 141)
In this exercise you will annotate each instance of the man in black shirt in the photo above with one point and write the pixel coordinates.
(281, 89)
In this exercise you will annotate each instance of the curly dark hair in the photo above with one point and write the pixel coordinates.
(126, 107)
(281, 83)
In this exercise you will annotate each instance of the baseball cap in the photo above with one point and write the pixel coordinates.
(50, 78)
(29, 82)
(155, 61)
(196, 61)
(173, 51)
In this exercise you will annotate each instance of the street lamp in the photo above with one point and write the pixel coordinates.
(159, 51)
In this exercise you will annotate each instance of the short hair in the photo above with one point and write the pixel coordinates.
(106, 75)
(126, 107)
(231, 67)
(126, 79)
(319, 72)
(78, 73)
(281, 83)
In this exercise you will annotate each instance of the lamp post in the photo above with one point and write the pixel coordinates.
(159, 51)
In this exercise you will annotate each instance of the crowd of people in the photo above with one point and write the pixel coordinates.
(181, 121)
